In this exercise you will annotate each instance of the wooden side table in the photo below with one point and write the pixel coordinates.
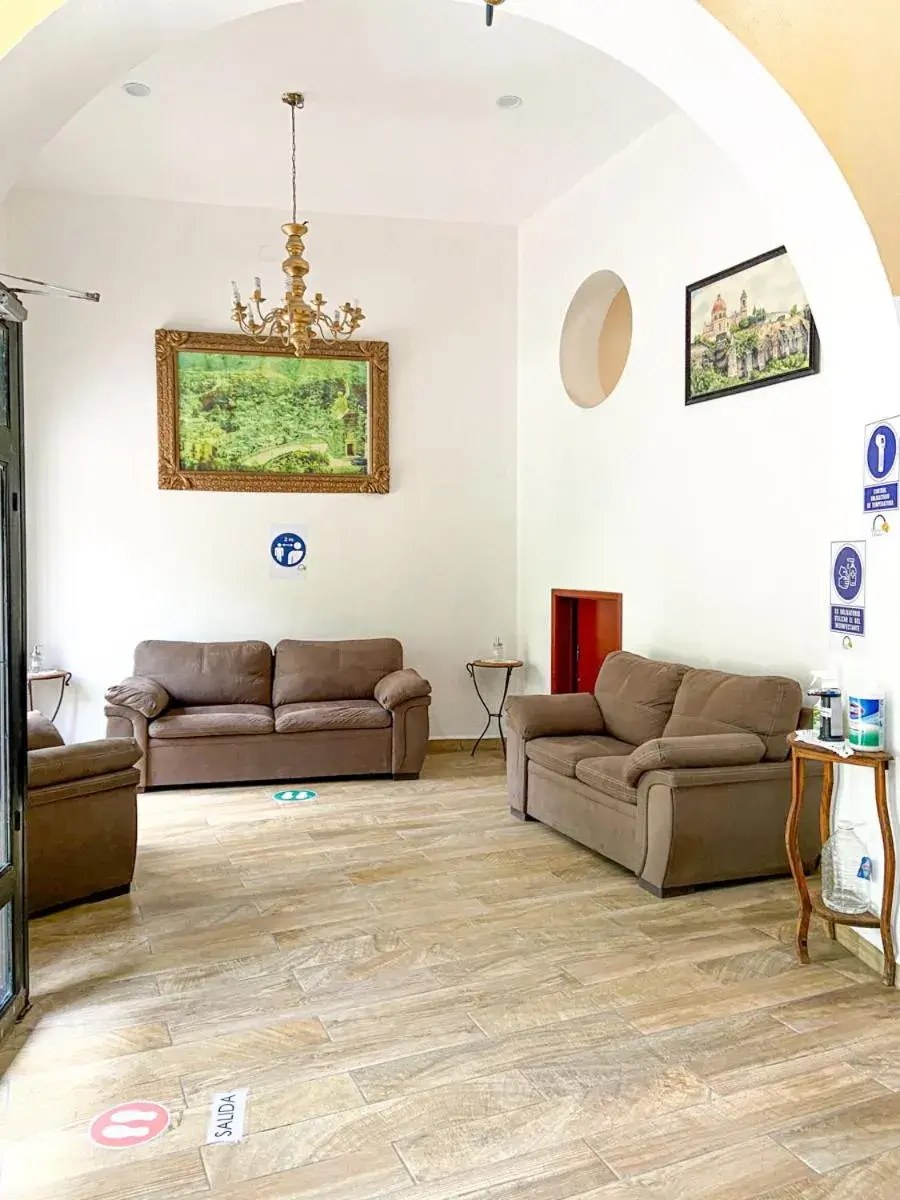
(811, 901)
(503, 664)
(64, 678)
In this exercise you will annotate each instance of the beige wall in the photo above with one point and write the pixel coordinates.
(838, 59)
(615, 341)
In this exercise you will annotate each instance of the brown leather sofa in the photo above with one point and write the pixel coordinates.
(680, 775)
(80, 817)
(229, 712)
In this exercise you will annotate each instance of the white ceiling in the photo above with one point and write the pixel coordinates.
(400, 121)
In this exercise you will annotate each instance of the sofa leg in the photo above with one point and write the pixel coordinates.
(407, 775)
(521, 816)
(663, 893)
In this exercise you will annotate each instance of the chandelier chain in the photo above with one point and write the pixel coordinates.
(294, 161)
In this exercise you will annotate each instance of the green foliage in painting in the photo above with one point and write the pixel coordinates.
(255, 412)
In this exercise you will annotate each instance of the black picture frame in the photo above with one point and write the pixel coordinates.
(750, 385)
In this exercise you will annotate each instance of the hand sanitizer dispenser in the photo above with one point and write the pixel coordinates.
(831, 717)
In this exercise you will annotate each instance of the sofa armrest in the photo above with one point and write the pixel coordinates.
(702, 750)
(699, 825)
(129, 723)
(86, 760)
(548, 716)
(144, 695)
(409, 737)
(399, 687)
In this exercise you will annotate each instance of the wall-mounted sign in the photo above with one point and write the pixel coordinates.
(288, 549)
(848, 588)
(882, 466)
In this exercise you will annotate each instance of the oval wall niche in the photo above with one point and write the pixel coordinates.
(596, 339)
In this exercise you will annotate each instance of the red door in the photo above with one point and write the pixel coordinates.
(586, 626)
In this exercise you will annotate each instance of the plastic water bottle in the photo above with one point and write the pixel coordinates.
(842, 888)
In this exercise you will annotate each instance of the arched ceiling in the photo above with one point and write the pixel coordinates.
(838, 60)
(401, 117)
(87, 45)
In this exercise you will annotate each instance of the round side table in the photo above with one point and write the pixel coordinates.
(493, 664)
(63, 678)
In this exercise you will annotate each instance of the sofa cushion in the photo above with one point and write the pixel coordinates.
(213, 720)
(208, 673)
(400, 687)
(42, 733)
(718, 702)
(146, 696)
(607, 775)
(561, 754)
(331, 714)
(701, 750)
(636, 695)
(306, 671)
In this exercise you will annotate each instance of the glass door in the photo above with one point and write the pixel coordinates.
(13, 763)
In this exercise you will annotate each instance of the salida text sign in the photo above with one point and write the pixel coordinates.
(848, 588)
(227, 1116)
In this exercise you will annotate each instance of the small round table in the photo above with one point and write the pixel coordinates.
(493, 664)
(64, 678)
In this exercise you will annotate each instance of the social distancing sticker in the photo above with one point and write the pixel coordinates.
(130, 1124)
(294, 795)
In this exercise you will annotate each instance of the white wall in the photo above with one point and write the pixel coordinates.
(691, 513)
(112, 559)
(714, 521)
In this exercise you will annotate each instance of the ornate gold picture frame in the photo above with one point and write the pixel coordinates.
(238, 416)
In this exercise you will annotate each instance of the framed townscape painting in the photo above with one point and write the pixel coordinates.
(237, 416)
(748, 327)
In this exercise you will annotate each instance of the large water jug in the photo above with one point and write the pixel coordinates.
(842, 888)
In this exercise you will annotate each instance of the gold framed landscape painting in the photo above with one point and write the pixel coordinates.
(238, 416)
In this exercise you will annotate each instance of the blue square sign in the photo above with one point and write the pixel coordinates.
(848, 588)
(881, 467)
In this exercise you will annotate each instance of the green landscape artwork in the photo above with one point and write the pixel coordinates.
(272, 413)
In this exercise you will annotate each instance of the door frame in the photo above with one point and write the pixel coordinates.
(12, 509)
(576, 594)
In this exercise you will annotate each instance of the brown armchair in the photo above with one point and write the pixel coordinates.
(81, 817)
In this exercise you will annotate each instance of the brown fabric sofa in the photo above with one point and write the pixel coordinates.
(81, 817)
(680, 775)
(229, 712)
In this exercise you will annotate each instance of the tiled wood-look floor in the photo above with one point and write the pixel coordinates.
(429, 1000)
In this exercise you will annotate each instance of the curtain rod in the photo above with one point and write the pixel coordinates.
(42, 288)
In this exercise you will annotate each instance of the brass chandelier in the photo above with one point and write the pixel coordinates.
(296, 323)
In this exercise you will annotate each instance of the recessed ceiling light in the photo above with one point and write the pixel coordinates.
(134, 88)
(509, 101)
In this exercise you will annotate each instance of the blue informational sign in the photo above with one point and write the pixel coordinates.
(848, 583)
(288, 550)
(294, 795)
(882, 466)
